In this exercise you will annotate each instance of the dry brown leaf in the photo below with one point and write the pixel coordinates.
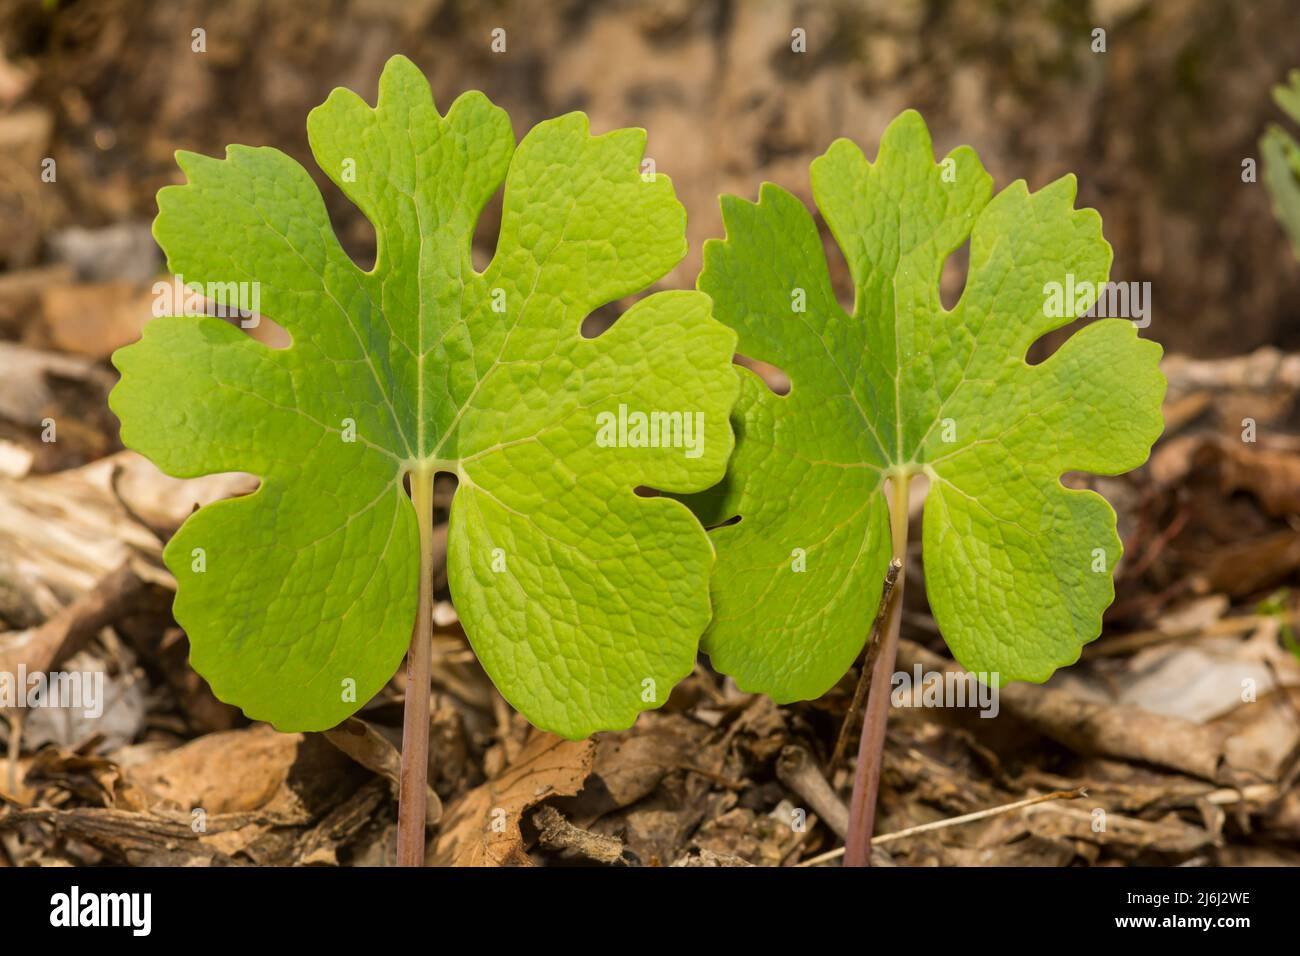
(289, 777)
(60, 534)
(1270, 474)
(1246, 567)
(26, 397)
(26, 205)
(89, 778)
(95, 319)
(630, 765)
(483, 827)
(760, 839)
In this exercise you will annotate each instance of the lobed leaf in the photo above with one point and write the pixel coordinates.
(583, 600)
(1018, 568)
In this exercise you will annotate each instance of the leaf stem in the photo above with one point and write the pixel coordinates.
(413, 780)
(868, 664)
(866, 775)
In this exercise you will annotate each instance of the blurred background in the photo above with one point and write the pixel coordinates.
(1156, 128)
(1162, 129)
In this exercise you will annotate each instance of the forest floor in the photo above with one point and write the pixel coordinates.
(1174, 740)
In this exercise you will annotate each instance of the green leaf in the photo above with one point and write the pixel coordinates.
(1280, 156)
(1287, 96)
(583, 600)
(903, 386)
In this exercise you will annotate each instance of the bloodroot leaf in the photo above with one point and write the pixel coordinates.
(1017, 567)
(583, 600)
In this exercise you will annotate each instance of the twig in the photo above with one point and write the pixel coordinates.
(952, 822)
(372, 750)
(1103, 729)
(1135, 641)
(45, 647)
(796, 769)
(557, 833)
(1255, 793)
(868, 663)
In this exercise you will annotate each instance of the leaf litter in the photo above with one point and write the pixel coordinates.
(1210, 573)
